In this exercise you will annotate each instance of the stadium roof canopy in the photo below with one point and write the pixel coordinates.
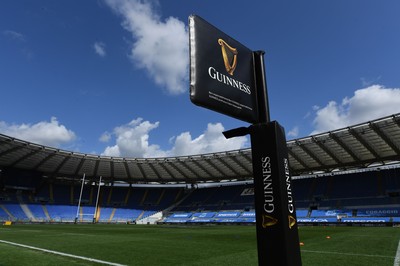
(368, 144)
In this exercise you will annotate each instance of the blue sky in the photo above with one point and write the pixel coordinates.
(111, 77)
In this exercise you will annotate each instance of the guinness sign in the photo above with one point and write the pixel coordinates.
(227, 77)
(221, 72)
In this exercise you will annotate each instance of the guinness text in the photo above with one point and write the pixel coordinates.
(269, 206)
(288, 186)
(214, 74)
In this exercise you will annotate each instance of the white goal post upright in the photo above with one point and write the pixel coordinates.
(97, 202)
(80, 197)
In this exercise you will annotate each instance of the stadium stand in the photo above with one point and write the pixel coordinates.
(56, 201)
(16, 211)
(349, 175)
(4, 215)
(38, 212)
(61, 213)
(356, 197)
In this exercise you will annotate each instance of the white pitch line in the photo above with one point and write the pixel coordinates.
(397, 258)
(62, 253)
(347, 254)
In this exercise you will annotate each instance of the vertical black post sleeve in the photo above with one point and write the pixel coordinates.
(277, 232)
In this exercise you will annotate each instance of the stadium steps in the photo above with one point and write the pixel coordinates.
(25, 208)
(6, 211)
(109, 196)
(51, 193)
(81, 213)
(97, 212)
(177, 203)
(112, 214)
(144, 197)
(27, 212)
(178, 195)
(91, 196)
(152, 219)
(161, 197)
(128, 194)
(140, 215)
(46, 212)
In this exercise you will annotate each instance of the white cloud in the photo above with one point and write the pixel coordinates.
(14, 35)
(132, 140)
(294, 132)
(46, 133)
(20, 43)
(100, 48)
(105, 137)
(366, 104)
(366, 82)
(211, 140)
(160, 47)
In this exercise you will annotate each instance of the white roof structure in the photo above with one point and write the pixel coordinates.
(368, 144)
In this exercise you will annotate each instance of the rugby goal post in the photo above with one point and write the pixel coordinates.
(78, 209)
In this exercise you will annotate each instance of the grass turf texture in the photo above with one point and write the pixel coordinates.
(193, 245)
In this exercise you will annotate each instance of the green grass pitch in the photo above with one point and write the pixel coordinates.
(189, 245)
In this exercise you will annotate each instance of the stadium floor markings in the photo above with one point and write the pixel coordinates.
(62, 253)
(346, 254)
(370, 236)
(397, 258)
(76, 234)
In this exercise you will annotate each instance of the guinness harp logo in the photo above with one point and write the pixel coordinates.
(230, 56)
(292, 221)
(268, 221)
